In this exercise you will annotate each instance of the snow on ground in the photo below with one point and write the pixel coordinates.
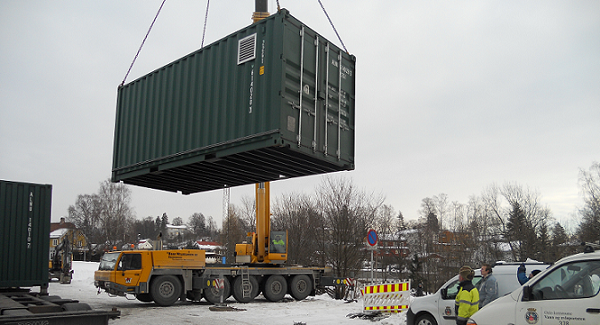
(312, 311)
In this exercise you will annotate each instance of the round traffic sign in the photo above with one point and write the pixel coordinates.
(372, 237)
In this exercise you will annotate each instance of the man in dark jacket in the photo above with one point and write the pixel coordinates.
(467, 299)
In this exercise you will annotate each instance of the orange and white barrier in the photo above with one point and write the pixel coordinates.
(391, 297)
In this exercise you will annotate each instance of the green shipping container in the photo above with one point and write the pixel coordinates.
(273, 100)
(24, 234)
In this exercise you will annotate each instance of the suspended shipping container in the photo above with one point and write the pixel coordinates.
(24, 233)
(273, 100)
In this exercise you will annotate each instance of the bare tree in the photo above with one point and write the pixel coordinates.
(85, 214)
(116, 216)
(198, 225)
(212, 229)
(296, 213)
(348, 214)
(247, 213)
(589, 228)
(386, 220)
(516, 214)
(106, 216)
(233, 231)
(441, 207)
(177, 221)
(387, 230)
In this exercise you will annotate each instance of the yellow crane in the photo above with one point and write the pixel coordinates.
(265, 247)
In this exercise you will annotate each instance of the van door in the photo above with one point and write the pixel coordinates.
(568, 295)
(447, 304)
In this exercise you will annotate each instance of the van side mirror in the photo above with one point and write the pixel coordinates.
(526, 293)
(444, 292)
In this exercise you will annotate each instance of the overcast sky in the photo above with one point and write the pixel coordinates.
(451, 96)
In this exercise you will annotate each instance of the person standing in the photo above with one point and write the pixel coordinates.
(487, 287)
(522, 274)
(467, 299)
(420, 290)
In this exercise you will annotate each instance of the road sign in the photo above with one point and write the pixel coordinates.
(372, 237)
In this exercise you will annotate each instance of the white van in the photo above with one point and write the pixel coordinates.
(438, 308)
(564, 294)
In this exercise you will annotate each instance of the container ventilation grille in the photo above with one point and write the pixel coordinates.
(247, 49)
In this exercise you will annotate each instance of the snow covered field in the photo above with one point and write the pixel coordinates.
(313, 310)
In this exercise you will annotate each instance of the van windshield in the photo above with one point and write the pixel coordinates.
(570, 281)
(108, 261)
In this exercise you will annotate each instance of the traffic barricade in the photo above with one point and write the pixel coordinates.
(390, 297)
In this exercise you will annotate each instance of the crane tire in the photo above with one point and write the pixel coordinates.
(165, 290)
(300, 286)
(275, 288)
(238, 289)
(213, 295)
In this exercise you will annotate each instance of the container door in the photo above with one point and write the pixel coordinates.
(129, 269)
(319, 86)
(302, 72)
(569, 295)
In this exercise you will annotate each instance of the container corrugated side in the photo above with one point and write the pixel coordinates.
(206, 121)
(24, 233)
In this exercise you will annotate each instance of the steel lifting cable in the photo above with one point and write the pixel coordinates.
(335, 30)
(144, 41)
(205, 20)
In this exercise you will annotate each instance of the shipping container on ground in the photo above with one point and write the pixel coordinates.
(24, 233)
(273, 100)
(24, 253)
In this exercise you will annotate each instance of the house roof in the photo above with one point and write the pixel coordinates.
(61, 224)
(177, 227)
(58, 233)
(208, 245)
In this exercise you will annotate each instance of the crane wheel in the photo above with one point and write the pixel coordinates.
(300, 286)
(275, 288)
(213, 295)
(165, 290)
(239, 287)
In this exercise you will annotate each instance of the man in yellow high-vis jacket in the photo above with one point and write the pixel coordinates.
(467, 299)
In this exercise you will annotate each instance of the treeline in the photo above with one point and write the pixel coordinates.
(504, 223)
(107, 220)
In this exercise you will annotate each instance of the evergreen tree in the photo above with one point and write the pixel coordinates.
(559, 240)
(414, 271)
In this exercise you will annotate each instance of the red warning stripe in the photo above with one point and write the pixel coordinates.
(398, 307)
(386, 288)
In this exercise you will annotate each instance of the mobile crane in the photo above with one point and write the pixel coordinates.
(166, 276)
